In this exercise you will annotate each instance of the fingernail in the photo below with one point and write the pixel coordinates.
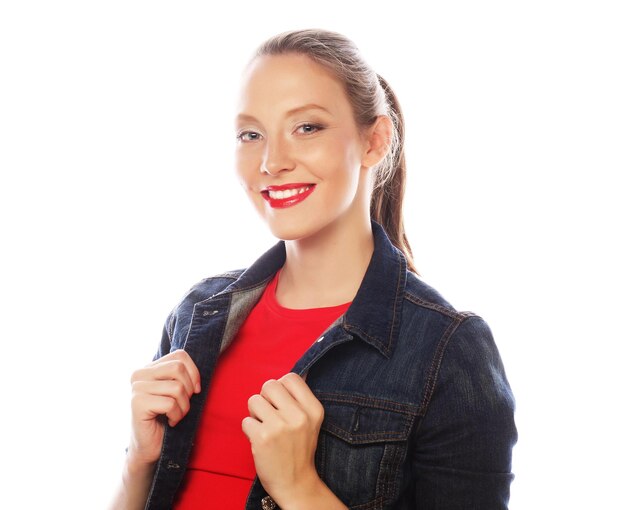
(198, 388)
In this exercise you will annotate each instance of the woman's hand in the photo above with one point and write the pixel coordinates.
(163, 387)
(283, 427)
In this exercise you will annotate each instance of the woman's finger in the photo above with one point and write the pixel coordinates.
(173, 369)
(172, 389)
(194, 373)
(261, 409)
(147, 407)
(300, 391)
(276, 394)
(251, 428)
(183, 357)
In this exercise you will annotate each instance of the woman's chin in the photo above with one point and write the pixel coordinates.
(287, 233)
(289, 230)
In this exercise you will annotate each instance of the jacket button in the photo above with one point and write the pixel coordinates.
(172, 465)
(267, 503)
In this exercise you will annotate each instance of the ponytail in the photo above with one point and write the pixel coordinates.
(389, 185)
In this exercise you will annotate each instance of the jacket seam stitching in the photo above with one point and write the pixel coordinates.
(435, 366)
(375, 341)
(453, 314)
(395, 302)
(380, 435)
(373, 402)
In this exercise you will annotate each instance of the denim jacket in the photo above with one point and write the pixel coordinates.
(418, 412)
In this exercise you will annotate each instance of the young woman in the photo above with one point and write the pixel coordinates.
(326, 375)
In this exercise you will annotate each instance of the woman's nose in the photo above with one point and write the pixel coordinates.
(276, 158)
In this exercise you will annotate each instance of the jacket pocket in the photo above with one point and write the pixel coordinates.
(361, 447)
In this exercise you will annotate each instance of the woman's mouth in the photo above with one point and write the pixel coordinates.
(287, 194)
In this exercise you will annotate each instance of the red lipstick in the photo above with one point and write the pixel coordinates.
(278, 198)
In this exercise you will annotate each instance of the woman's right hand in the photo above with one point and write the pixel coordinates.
(161, 389)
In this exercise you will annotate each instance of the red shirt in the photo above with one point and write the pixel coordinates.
(272, 338)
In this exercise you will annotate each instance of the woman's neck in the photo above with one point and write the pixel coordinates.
(326, 269)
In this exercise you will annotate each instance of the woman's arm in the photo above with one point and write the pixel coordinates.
(133, 491)
(463, 447)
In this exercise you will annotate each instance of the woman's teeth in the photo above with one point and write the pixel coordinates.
(286, 193)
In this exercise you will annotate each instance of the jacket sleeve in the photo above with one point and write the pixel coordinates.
(461, 457)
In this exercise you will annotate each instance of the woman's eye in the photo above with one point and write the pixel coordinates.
(309, 128)
(247, 136)
(251, 136)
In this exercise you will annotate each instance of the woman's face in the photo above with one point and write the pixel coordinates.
(299, 151)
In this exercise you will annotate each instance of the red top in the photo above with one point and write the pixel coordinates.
(272, 338)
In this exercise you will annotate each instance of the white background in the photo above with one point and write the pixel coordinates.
(117, 193)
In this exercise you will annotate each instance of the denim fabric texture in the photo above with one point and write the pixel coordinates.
(418, 410)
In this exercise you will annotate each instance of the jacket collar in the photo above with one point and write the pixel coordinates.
(374, 315)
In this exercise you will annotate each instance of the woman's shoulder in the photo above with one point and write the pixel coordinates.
(463, 337)
(426, 297)
(427, 310)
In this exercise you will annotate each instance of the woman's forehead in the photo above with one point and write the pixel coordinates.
(289, 82)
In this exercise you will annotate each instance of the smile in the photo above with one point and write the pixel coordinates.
(287, 195)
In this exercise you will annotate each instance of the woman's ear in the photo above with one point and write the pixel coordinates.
(378, 141)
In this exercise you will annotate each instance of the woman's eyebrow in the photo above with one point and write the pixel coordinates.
(309, 106)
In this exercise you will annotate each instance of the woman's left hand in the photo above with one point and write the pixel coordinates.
(283, 427)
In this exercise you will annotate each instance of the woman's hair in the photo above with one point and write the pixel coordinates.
(370, 96)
